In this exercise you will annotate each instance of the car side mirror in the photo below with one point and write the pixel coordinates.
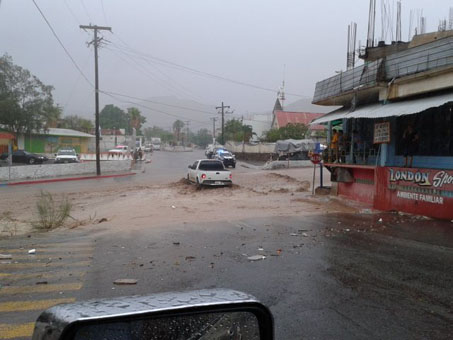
(203, 314)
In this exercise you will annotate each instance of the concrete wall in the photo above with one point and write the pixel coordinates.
(235, 147)
(57, 170)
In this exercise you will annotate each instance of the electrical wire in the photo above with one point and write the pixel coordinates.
(72, 12)
(177, 86)
(198, 72)
(152, 109)
(146, 72)
(90, 83)
(156, 102)
(86, 11)
(103, 12)
(62, 45)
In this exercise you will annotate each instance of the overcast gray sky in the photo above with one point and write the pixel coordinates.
(245, 40)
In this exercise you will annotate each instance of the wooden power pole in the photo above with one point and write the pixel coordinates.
(95, 43)
(223, 107)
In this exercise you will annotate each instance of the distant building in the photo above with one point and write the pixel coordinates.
(53, 139)
(260, 123)
(282, 118)
(5, 139)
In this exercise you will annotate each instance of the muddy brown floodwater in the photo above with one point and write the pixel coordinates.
(254, 193)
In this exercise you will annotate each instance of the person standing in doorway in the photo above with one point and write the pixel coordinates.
(410, 144)
(334, 146)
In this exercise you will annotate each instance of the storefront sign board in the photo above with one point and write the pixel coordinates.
(381, 133)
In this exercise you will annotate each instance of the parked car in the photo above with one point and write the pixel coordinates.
(148, 148)
(212, 149)
(226, 157)
(119, 150)
(66, 156)
(209, 172)
(21, 156)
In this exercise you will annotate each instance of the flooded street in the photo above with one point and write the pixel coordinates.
(325, 267)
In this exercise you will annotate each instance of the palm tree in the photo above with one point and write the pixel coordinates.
(177, 127)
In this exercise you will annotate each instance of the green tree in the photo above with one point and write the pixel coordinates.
(290, 131)
(238, 132)
(156, 131)
(136, 120)
(76, 123)
(112, 116)
(177, 128)
(202, 138)
(26, 104)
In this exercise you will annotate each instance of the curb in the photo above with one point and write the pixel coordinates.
(67, 179)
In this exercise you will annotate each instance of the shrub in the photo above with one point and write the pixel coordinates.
(51, 214)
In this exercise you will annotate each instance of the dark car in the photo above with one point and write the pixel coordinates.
(226, 157)
(21, 156)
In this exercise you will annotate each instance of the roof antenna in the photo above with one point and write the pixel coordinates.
(281, 91)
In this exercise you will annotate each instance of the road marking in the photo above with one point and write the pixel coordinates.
(40, 288)
(10, 331)
(40, 275)
(67, 249)
(7, 266)
(21, 306)
(49, 256)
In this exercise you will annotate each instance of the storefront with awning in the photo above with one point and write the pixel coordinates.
(369, 163)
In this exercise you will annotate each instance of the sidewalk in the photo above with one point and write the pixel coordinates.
(65, 179)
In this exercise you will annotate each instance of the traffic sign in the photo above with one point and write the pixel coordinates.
(315, 158)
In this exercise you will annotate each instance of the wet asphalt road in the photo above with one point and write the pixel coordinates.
(324, 277)
(164, 167)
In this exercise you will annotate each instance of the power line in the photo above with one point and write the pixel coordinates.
(156, 102)
(72, 12)
(86, 10)
(149, 108)
(170, 79)
(202, 73)
(103, 12)
(62, 45)
(145, 71)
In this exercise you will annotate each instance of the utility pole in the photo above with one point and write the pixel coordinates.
(187, 122)
(213, 128)
(223, 107)
(95, 43)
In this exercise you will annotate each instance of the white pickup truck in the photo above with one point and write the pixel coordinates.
(209, 172)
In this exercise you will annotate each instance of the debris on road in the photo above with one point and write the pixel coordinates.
(102, 220)
(256, 257)
(6, 256)
(293, 234)
(190, 258)
(261, 249)
(380, 220)
(125, 282)
(173, 207)
(32, 251)
(41, 282)
(304, 234)
(176, 243)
